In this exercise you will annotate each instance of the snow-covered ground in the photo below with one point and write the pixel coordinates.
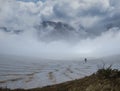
(18, 72)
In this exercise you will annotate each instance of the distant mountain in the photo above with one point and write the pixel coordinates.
(104, 26)
(5, 29)
(57, 25)
(53, 31)
(49, 30)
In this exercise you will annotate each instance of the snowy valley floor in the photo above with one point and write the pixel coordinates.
(27, 73)
(105, 79)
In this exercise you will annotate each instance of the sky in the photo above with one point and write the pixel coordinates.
(99, 18)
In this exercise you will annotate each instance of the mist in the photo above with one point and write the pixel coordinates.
(99, 30)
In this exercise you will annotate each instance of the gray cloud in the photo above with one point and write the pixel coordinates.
(97, 21)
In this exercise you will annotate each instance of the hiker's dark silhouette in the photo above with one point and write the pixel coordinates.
(85, 60)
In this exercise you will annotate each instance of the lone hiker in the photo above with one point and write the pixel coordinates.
(85, 60)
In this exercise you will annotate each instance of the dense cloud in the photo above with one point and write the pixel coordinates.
(98, 22)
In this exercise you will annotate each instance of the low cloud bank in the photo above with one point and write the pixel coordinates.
(101, 26)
